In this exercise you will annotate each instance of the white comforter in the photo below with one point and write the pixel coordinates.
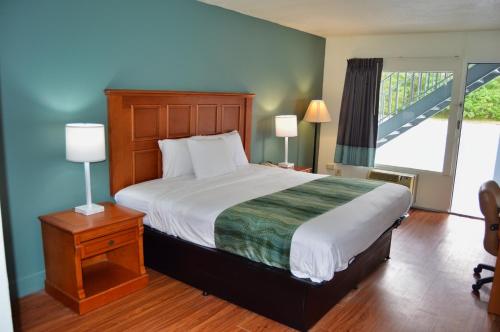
(187, 208)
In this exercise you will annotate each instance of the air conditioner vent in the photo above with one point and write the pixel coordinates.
(405, 179)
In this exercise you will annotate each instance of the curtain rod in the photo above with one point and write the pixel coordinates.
(415, 57)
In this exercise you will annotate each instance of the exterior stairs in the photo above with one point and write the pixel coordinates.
(425, 102)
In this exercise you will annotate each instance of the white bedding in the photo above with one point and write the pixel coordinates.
(187, 208)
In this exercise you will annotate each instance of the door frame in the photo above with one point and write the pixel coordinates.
(427, 196)
(460, 118)
(5, 305)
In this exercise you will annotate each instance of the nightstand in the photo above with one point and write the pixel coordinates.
(303, 169)
(93, 260)
(295, 168)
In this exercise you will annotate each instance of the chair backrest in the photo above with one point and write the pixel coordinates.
(489, 201)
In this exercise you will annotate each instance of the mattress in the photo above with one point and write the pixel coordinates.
(187, 208)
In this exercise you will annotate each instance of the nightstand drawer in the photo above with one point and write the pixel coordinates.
(110, 229)
(106, 243)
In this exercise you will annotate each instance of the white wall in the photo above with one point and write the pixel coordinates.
(468, 46)
(5, 312)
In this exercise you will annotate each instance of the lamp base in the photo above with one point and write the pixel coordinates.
(286, 165)
(89, 209)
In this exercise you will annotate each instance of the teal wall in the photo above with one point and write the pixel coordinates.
(57, 57)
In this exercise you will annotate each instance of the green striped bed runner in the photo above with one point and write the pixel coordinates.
(261, 229)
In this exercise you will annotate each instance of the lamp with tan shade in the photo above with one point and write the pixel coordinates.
(316, 113)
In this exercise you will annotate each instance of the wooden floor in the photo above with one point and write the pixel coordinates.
(424, 287)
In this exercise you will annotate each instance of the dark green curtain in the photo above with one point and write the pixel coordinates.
(358, 123)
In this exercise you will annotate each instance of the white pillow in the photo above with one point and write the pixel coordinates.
(233, 140)
(235, 145)
(210, 157)
(176, 159)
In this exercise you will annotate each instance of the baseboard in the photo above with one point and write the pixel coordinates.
(416, 207)
(447, 212)
(28, 284)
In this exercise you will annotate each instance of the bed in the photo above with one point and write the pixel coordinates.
(326, 259)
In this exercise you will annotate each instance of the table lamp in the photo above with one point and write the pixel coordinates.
(85, 143)
(316, 113)
(286, 126)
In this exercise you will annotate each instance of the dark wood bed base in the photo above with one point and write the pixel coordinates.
(271, 292)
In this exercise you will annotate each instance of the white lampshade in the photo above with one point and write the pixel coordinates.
(85, 142)
(317, 112)
(286, 125)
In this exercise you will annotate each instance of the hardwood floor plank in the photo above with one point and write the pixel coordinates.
(425, 286)
(257, 323)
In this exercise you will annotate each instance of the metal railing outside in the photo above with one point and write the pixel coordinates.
(399, 90)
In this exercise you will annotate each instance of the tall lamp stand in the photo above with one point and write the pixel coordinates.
(316, 113)
(315, 151)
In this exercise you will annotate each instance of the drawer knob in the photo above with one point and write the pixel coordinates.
(111, 242)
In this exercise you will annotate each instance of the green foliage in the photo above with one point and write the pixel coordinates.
(481, 104)
(405, 88)
(484, 103)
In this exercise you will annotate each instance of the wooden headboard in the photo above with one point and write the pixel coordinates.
(138, 119)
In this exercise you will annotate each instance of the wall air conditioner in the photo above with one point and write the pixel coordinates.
(405, 179)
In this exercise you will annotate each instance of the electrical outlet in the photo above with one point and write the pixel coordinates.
(330, 166)
(336, 170)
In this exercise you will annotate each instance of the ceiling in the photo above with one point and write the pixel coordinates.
(348, 17)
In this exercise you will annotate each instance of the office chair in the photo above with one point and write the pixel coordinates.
(489, 201)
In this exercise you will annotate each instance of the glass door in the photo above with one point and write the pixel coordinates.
(413, 119)
(479, 153)
(417, 130)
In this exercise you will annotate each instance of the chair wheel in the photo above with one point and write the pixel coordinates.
(477, 270)
(476, 288)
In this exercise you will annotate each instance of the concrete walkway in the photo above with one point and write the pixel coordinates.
(423, 147)
(477, 160)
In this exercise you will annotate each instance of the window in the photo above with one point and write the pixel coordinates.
(413, 119)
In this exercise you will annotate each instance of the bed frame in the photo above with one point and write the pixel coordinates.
(269, 291)
(136, 121)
